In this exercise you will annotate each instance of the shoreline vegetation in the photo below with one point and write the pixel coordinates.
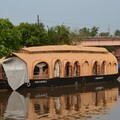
(13, 37)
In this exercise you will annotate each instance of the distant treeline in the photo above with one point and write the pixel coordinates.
(12, 37)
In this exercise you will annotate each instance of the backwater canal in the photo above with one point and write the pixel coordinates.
(98, 101)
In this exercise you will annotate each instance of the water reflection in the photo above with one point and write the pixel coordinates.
(17, 107)
(60, 103)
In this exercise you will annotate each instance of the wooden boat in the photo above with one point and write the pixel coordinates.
(57, 66)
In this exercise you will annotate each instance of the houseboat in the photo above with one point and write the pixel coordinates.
(57, 66)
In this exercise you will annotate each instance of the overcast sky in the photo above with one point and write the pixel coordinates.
(74, 13)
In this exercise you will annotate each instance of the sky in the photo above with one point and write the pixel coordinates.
(76, 14)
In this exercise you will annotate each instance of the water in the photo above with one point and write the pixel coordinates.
(99, 101)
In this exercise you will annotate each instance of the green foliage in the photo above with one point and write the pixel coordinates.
(86, 32)
(104, 34)
(110, 48)
(94, 31)
(52, 36)
(10, 37)
(59, 35)
(62, 34)
(5, 23)
(33, 34)
(117, 33)
(4, 51)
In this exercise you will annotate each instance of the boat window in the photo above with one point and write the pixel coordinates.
(103, 67)
(41, 70)
(36, 70)
(57, 68)
(68, 69)
(109, 68)
(114, 67)
(76, 69)
(114, 64)
(96, 68)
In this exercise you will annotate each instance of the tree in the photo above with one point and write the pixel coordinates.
(59, 35)
(94, 31)
(104, 34)
(33, 34)
(63, 33)
(117, 33)
(10, 37)
(52, 36)
(84, 32)
(75, 37)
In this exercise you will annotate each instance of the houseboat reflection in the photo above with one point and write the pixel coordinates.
(61, 103)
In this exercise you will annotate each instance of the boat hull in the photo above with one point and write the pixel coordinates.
(63, 81)
(3, 84)
(65, 90)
